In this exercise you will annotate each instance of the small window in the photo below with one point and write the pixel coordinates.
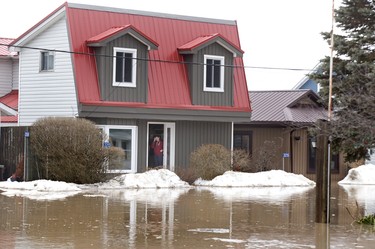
(124, 69)
(243, 141)
(47, 61)
(213, 73)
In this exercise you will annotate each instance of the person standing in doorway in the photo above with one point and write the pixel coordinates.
(157, 147)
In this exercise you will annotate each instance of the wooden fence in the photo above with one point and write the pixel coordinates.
(12, 145)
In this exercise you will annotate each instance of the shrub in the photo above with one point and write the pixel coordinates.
(187, 175)
(210, 160)
(241, 161)
(68, 149)
(265, 157)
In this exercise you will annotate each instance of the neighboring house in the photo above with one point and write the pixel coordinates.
(8, 84)
(307, 83)
(279, 124)
(136, 74)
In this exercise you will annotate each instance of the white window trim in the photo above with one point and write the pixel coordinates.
(41, 61)
(133, 167)
(134, 68)
(222, 69)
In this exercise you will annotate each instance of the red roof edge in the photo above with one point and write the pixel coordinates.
(204, 39)
(164, 106)
(115, 30)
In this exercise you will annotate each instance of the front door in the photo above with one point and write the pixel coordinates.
(161, 145)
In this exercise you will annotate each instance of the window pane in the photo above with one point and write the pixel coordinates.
(209, 65)
(128, 67)
(312, 155)
(217, 74)
(121, 138)
(50, 61)
(46, 61)
(119, 67)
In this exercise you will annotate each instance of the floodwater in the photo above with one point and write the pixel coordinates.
(187, 218)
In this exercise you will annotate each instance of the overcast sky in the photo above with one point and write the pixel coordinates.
(273, 33)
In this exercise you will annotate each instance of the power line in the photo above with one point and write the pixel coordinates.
(157, 60)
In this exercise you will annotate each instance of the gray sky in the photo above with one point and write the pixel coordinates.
(273, 33)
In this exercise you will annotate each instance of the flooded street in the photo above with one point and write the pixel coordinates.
(187, 218)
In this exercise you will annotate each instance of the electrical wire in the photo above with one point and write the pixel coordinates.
(155, 60)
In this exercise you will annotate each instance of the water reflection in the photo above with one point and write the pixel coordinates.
(178, 218)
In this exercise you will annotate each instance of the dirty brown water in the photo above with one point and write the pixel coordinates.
(186, 218)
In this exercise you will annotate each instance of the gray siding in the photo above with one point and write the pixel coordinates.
(191, 135)
(15, 74)
(105, 72)
(196, 77)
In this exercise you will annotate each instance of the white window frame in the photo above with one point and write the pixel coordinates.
(51, 56)
(134, 144)
(222, 69)
(134, 67)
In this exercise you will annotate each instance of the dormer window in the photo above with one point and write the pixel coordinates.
(47, 61)
(213, 73)
(124, 67)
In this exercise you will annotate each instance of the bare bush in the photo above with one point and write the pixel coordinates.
(264, 158)
(68, 149)
(187, 175)
(241, 161)
(210, 160)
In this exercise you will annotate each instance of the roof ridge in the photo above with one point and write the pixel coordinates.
(150, 13)
(292, 90)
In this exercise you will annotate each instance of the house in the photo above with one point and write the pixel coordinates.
(136, 74)
(8, 84)
(279, 129)
(308, 83)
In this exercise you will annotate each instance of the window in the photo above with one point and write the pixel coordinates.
(123, 138)
(124, 67)
(243, 141)
(47, 61)
(213, 73)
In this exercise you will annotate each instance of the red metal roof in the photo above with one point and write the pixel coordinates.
(4, 49)
(168, 82)
(9, 119)
(10, 99)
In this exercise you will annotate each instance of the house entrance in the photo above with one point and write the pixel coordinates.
(161, 145)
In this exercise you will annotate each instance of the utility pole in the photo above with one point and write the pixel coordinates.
(323, 167)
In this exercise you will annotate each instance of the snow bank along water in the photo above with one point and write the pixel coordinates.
(273, 178)
(364, 174)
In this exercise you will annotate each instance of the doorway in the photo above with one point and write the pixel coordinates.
(161, 145)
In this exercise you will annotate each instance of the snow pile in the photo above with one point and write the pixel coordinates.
(40, 185)
(40, 189)
(364, 174)
(161, 178)
(271, 178)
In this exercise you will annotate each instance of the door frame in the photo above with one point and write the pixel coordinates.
(168, 149)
